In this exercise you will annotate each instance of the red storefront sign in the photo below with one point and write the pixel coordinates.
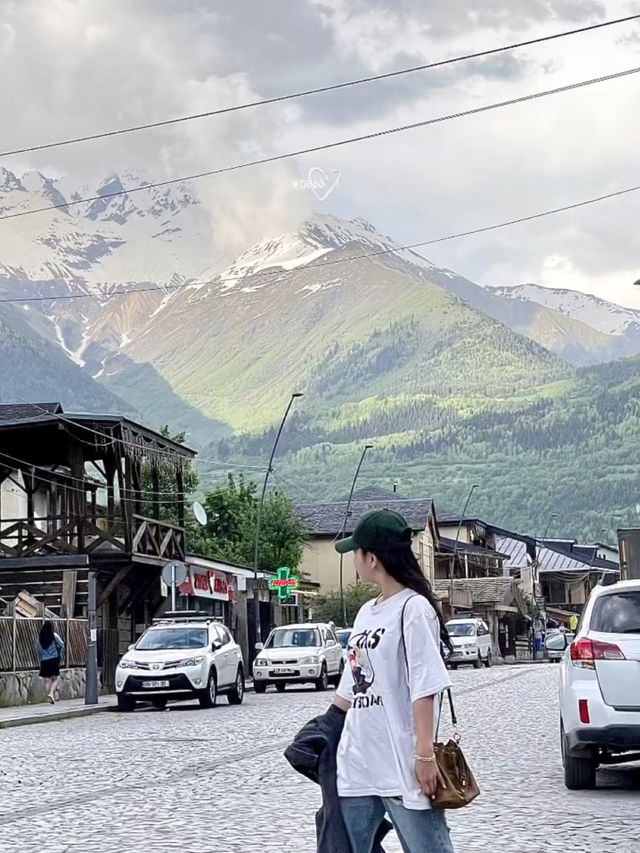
(209, 584)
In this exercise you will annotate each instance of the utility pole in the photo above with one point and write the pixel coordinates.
(91, 684)
(455, 544)
(344, 529)
(256, 603)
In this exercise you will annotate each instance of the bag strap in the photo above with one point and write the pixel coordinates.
(454, 718)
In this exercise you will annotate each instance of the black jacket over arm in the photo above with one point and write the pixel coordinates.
(313, 753)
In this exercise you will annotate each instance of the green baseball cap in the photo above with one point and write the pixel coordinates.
(380, 528)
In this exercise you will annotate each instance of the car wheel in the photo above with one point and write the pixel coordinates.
(126, 703)
(487, 662)
(259, 687)
(322, 683)
(281, 686)
(477, 662)
(161, 704)
(209, 696)
(579, 773)
(338, 677)
(236, 696)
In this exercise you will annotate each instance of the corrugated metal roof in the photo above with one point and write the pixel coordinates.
(327, 518)
(483, 590)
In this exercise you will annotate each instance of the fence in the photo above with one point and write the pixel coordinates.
(18, 639)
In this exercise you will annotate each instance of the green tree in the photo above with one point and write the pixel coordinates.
(231, 527)
(168, 499)
(328, 608)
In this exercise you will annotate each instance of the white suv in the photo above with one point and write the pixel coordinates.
(471, 641)
(600, 685)
(178, 659)
(298, 654)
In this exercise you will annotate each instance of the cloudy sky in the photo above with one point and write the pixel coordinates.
(72, 67)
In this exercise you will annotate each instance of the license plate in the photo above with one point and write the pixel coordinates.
(151, 685)
(281, 671)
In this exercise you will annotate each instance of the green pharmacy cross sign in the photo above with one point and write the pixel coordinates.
(284, 583)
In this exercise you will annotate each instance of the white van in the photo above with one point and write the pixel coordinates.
(471, 641)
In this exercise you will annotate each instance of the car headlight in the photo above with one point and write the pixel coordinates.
(262, 662)
(188, 662)
(308, 660)
(128, 664)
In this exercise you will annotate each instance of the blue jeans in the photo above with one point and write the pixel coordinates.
(423, 831)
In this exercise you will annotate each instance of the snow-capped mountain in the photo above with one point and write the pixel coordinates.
(604, 316)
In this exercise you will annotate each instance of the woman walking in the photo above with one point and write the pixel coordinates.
(49, 648)
(391, 693)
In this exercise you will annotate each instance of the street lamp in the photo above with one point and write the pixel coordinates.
(455, 544)
(546, 530)
(256, 604)
(344, 530)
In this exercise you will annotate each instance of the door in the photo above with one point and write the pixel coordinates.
(225, 657)
(333, 651)
(485, 639)
(614, 632)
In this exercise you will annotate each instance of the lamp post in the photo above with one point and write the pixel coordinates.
(256, 603)
(344, 530)
(455, 544)
(546, 530)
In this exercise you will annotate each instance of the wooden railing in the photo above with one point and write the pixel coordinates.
(18, 639)
(58, 535)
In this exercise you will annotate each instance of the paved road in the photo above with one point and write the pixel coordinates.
(216, 782)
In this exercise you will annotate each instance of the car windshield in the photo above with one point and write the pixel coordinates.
(461, 629)
(617, 613)
(173, 638)
(343, 638)
(298, 637)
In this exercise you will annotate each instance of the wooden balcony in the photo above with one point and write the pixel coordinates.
(60, 535)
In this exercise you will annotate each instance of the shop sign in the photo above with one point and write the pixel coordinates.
(208, 584)
(284, 583)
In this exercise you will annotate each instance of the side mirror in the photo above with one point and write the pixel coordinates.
(215, 645)
(259, 647)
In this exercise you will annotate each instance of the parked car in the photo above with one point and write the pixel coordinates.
(307, 653)
(343, 635)
(556, 643)
(471, 641)
(600, 685)
(179, 659)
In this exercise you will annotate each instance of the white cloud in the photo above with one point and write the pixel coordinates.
(75, 69)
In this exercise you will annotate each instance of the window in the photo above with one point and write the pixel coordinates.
(173, 638)
(461, 629)
(224, 632)
(617, 613)
(291, 637)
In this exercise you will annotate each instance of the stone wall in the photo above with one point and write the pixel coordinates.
(26, 688)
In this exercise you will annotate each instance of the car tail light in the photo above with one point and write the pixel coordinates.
(583, 708)
(585, 652)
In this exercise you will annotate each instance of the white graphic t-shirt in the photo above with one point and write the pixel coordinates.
(376, 755)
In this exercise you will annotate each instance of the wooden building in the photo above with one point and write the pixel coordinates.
(80, 493)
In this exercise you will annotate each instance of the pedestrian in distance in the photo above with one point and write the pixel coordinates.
(49, 647)
(391, 695)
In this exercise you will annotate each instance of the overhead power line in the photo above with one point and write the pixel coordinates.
(319, 90)
(326, 146)
(124, 441)
(280, 273)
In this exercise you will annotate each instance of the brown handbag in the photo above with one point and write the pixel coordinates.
(460, 787)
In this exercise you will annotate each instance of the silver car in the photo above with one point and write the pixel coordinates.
(298, 654)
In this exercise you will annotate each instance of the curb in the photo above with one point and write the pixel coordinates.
(70, 713)
(55, 716)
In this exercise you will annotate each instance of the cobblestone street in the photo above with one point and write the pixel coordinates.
(216, 782)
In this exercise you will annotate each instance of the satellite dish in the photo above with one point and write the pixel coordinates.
(199, 513)
(175, 570)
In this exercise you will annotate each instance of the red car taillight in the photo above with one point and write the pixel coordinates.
(585, 652)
